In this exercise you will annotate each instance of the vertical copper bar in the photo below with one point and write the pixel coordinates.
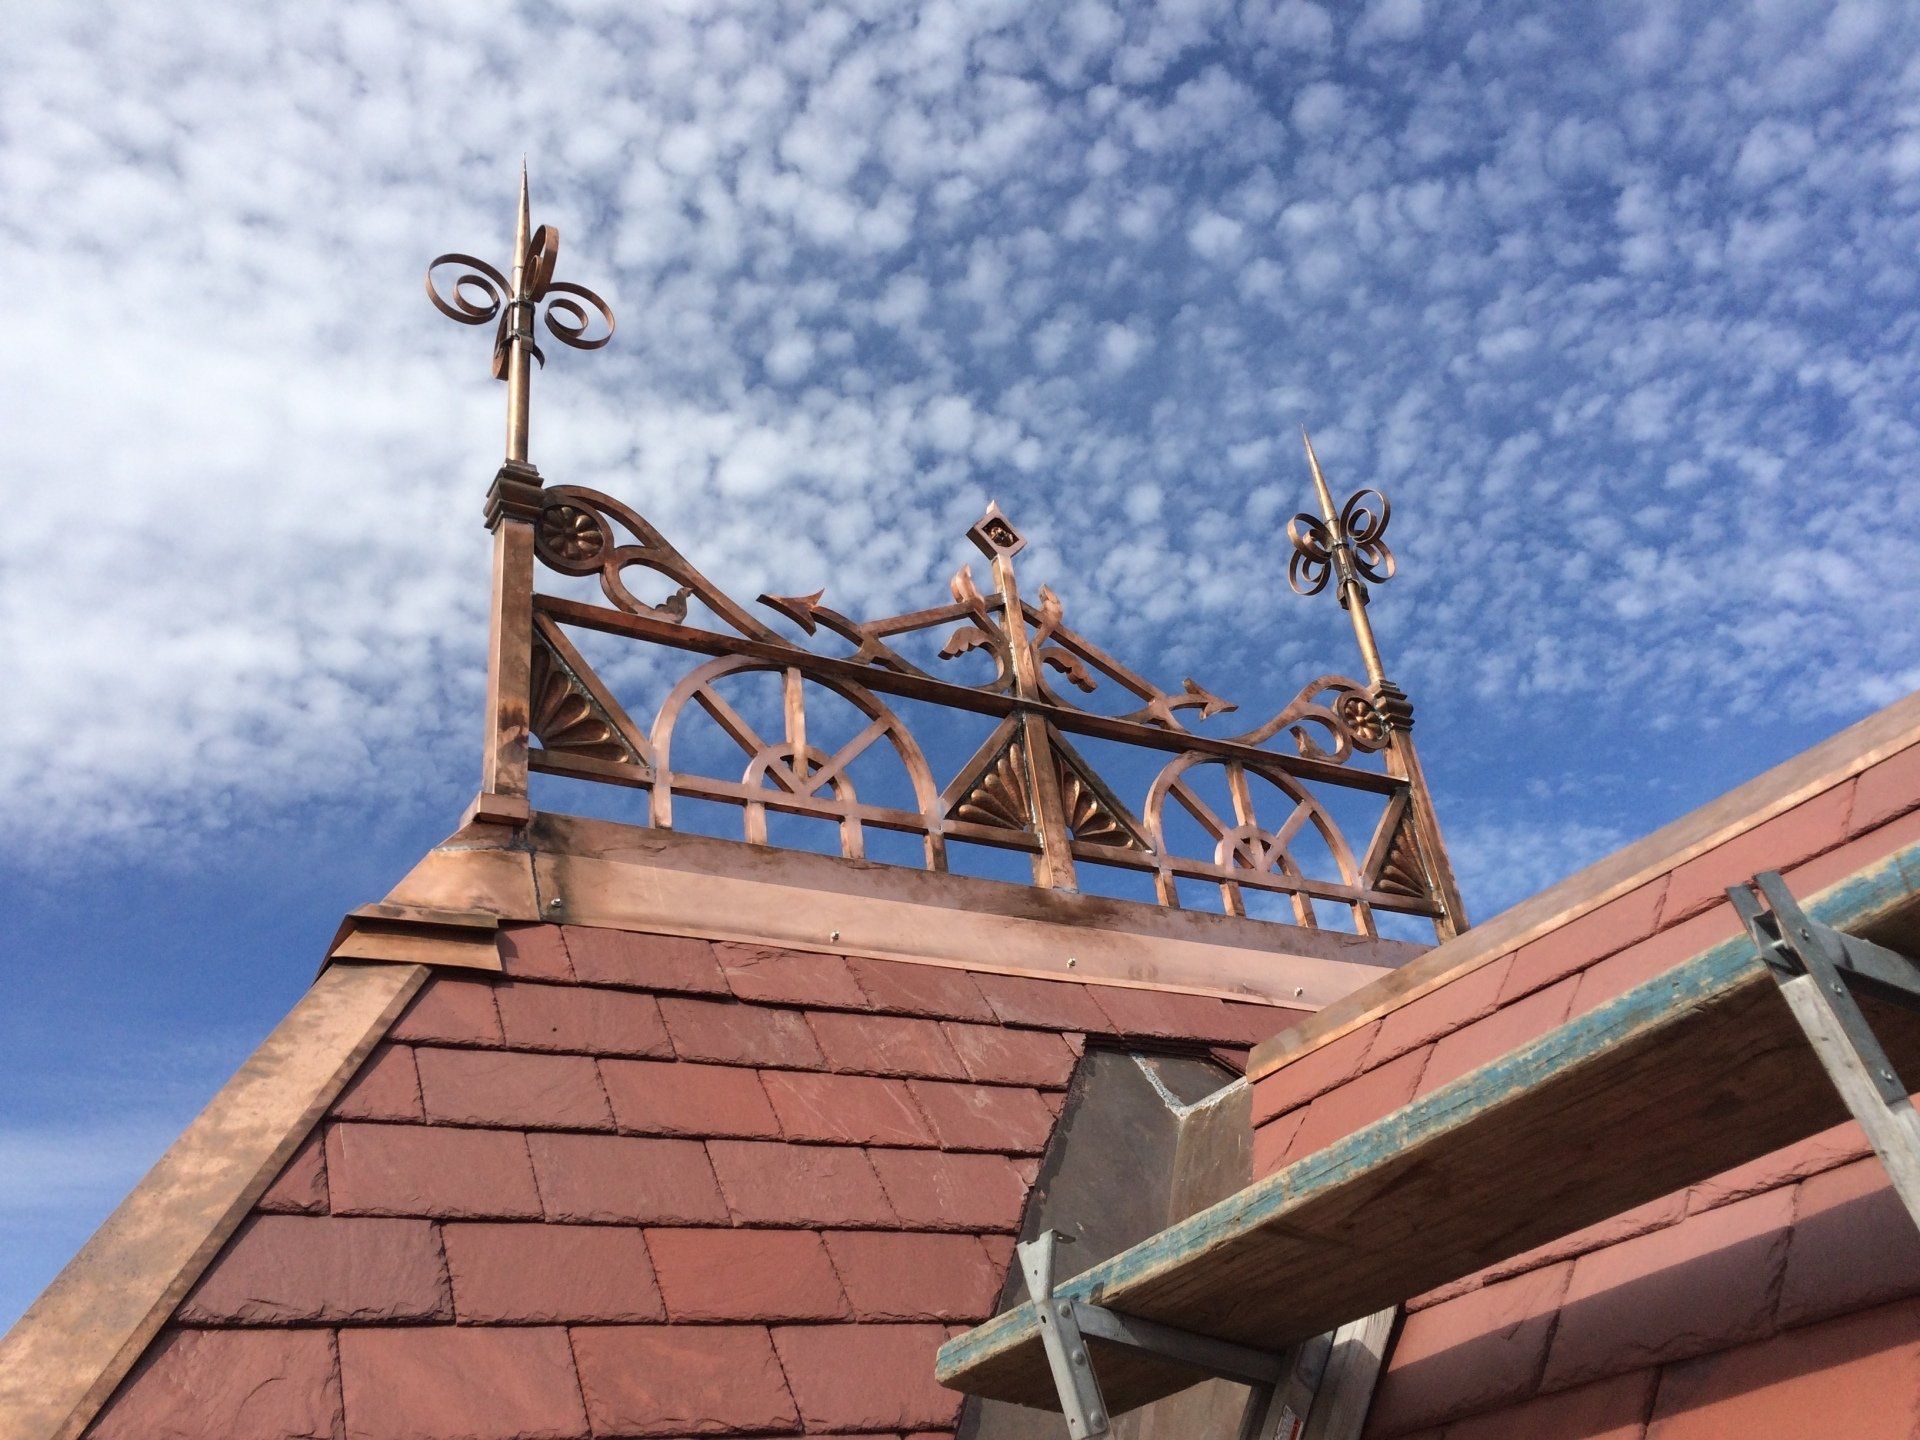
(513, 505)
(1232, 898)
(1053, 862)
(519, 332)
(794, 703)
(1353, 592)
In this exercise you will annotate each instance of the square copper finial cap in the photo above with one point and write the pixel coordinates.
(994, 533)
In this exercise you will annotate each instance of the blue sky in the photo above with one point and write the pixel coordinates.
(1616, 302)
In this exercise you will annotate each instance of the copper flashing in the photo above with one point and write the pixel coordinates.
(1833, 761)
(623, 877)
(419, 935)
(62, 1360)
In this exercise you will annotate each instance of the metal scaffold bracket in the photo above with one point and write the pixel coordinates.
(1066, 1324)
(1821, 974)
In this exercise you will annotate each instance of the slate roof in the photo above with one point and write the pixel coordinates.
(1760, 1301)
(647, 1185)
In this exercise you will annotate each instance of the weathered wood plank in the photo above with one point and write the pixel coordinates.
(1699, 1070)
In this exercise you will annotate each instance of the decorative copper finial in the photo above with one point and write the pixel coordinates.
(480, 292)
(1348, 546)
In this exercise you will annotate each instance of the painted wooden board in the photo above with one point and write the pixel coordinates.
(1695, 1072)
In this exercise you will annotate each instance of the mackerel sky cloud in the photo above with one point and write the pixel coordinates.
(1617, 303)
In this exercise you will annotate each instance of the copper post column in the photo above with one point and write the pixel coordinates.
(476, 296)
(1053, 863)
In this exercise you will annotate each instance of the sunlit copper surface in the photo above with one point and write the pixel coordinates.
(478, 293)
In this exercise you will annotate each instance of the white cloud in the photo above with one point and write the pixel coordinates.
(1391, 20)
(1526, 273)
(1120, 346)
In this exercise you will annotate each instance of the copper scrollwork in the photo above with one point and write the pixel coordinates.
(479, 293)
(1362, 526)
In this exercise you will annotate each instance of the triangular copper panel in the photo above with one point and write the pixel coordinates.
(1394, 865)
(991, 789)
(571, 712)
(1095, 815)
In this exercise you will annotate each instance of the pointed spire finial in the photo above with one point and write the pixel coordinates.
(480, 293)
(1347, 546)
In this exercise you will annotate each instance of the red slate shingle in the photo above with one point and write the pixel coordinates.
(773, 976)
(1643, 1219)
(916, 1277)
(775, 1184)
(1704, 1284)
(1273, 1142)
(626, 1179)
(301, 1186)
(886, 1045)
(424, 1170)
(1854, 1378)
(845, 1109)
(644, 962)
(580, 1018)
(1831, 1148)
(228, 1385)
(1610, 978)
(866, 1377)
(453, 1010)
(1795, 835)
(682, 1380)
(387, 1088)
(1045, 1004)
(1479, 1352)
(506, 1087)
(1013, 1057)
(535, 952)
(1854, 1245)
(1313, 1073)
(448, 1382)
(1605, 1410)
(935, 992)
(1250, 1023)
(1358, 1103)
(550, 1274)
(1885, 791)
(1623, 921)
(985, 1117)
(746, 1275)
(680, 1098)
(1163, 1014)
(1506, 1029)
(734, 1033)
(293, 1269)
(932, 1190)
(1440, 1012)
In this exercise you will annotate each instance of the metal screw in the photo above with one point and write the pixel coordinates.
(1066, 1309)
(833, 935)
(1886, 1074)
(1079, 1357)
(554, 904)
(1299, 990)
(1071, 962)
(1096, 1419)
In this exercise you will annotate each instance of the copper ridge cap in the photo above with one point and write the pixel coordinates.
(602, 874)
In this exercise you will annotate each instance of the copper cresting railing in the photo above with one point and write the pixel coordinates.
(824, 737)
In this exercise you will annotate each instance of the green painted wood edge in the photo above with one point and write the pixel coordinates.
(1859, 898)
